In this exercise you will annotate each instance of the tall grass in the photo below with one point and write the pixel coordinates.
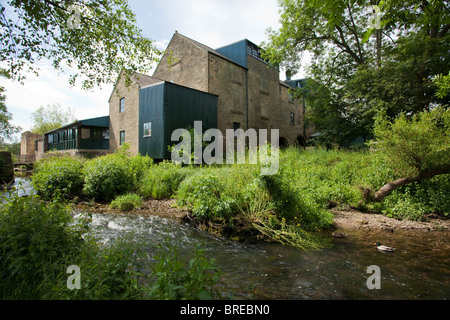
(40, 240)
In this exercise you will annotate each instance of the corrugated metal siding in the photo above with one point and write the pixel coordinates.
(236, 52)
(183, 106)
(151, 101)
(96, 122)
(169, 107)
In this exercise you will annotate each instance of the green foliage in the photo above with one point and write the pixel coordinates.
(58, 177)
(39, 240)
(443, 83)
(162, 181)
(7, 129)
(108, 176)
(36, 238)
(415, 145)
(107, 273)
(355, 70)
(413, 201)
(107, 41)
(172, 279)
(127, 202)
(205, 194)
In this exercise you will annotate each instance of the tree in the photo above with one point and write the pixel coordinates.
(95, 38)
(416, 147)
(7, 129)
(356, 70)
(51, 117)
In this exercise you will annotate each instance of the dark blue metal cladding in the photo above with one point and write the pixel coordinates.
(151, 101)
(183, 106)
(96, 122)
(236, 52)
(169, 107)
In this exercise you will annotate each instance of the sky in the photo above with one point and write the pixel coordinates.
(214, 23)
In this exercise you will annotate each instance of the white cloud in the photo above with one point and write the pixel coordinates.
(51, 88)
(216, 23)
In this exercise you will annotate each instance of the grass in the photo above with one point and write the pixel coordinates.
(290, 206)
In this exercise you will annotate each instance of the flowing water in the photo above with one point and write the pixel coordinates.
(418, 269)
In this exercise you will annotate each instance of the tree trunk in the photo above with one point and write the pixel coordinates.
(391, 186)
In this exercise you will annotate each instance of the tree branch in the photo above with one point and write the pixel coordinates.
(388, 188)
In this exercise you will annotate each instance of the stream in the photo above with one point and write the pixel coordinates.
(418, 269)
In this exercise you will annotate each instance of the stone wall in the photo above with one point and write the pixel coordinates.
(128, 120)
(269, 103)
(184, 63)
(28, 145)
(228, 81)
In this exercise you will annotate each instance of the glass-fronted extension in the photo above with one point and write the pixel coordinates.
(88, 134)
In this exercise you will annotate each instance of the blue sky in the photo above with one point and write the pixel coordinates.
(214, 23)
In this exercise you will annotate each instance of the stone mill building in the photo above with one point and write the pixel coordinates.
(226, 88)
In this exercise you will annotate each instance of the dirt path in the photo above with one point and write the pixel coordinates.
(353, 219)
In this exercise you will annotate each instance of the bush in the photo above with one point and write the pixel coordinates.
(58, 176)
(108, 176)
(39, 240)
(206, 196)
(36, 240)
(173, 279)
(162, 181)
(127, 202)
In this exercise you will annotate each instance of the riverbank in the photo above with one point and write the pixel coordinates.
(353, 219)
(344, 220)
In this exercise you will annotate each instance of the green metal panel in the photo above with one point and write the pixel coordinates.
(169, 107)
(183, 106)
(96, 122)
(151, 110)
(92, 144)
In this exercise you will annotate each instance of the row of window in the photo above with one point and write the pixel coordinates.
(147, 132)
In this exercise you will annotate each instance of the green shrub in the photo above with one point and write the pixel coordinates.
(139, 165)
(36, 240)
(206, 196)
(162, 181)
(127, 202)
(58, 176)
(108, 176)
(172, 279)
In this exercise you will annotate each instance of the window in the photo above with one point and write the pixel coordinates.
(85, 133)
(50, 138)
(122, 137)
(292, 118)
(147, 129)
(122, 105)
(105, 134)
(97, 134)
(290, 97)
(236, 125)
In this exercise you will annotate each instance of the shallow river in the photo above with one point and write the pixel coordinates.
(418, 269)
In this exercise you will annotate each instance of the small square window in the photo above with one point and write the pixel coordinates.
(236, 125)
(147, 129)
(122, 137)
(122, 105)
(292, 118)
